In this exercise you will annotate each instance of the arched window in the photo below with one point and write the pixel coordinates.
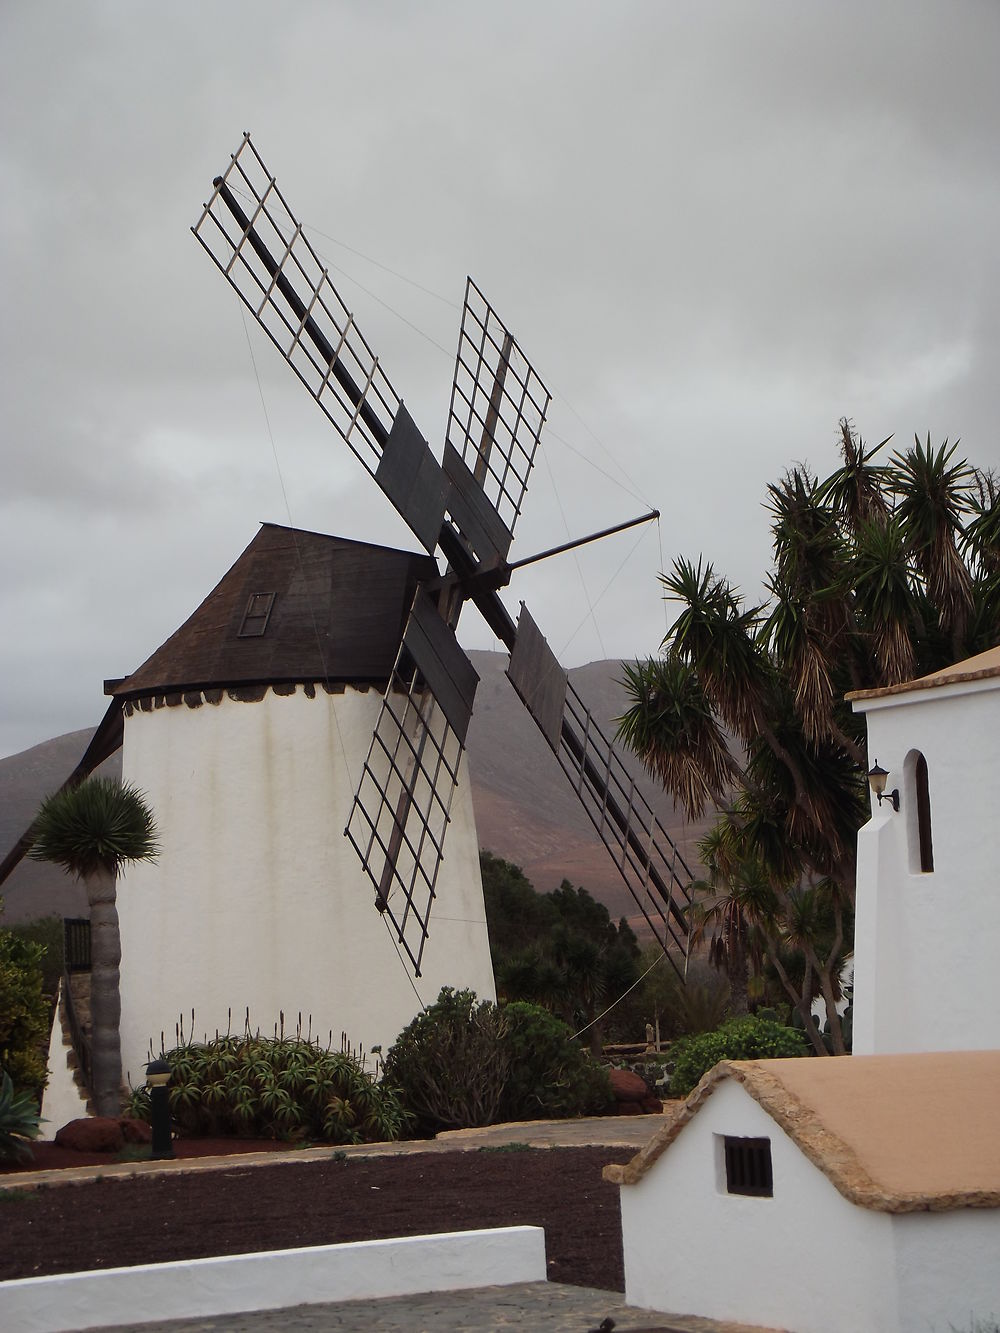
(923, 803)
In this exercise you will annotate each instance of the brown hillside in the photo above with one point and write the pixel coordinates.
(526, 808)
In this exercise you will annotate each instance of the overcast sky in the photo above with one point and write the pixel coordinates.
(713, 228)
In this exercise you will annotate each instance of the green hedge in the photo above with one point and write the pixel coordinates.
(24, 1013)
(746, 1038)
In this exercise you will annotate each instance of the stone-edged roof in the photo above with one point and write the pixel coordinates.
(894, 1133)
(338, 612)
(980, 667)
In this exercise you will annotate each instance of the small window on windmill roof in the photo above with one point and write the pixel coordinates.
(256, 616)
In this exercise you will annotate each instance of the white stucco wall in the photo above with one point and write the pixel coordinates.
(805, 1259)
(948, 1267)
(234, 1285)
(258, 899)
(926, 943)
(62, 1100)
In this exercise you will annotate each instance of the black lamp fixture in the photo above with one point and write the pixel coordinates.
(876, 779)
(158, 1074)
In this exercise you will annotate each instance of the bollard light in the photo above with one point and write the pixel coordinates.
(158, 1074)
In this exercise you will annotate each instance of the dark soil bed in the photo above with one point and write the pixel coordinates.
(150, 1219)
(49, 1156)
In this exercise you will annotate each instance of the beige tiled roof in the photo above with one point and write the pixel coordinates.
(979, 667)
(896, 1133)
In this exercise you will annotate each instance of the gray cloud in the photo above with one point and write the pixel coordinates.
(715, 229)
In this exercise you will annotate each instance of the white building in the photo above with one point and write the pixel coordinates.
(858, 1194)
(247, 731)
(862, 1193)
(927, 928)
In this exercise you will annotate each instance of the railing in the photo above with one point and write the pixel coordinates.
(76, 944)
(79, 1039)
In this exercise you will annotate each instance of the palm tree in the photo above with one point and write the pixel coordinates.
(934, 497)
(92, 831)
(738, 905)
(880, 573)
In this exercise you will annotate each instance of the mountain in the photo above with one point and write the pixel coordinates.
(526, 809)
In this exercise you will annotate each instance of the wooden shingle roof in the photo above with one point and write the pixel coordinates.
(337, 609)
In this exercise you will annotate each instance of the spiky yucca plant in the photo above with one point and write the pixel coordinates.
(285, 1087)
(92, 831)
(18, 1121)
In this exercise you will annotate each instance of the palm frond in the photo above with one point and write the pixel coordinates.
(857, 490)
(670, 726)
(934, 497)
(102, 824)
(717, 635)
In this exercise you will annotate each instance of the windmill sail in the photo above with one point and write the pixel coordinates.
(495, 418)
(403, 805)
(648, 860)
(253, 237)
(466, 506)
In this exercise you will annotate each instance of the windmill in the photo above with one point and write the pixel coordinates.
(464, 508)
(264, 725)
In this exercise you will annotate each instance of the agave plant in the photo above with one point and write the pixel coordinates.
(19, 1121)
(279, 1087)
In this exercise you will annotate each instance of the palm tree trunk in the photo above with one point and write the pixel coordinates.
(105, 994)
(800, 1002)
(739, 981)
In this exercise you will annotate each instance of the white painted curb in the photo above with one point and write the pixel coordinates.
(273, 1279)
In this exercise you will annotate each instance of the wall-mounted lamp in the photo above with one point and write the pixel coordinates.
(876, 779)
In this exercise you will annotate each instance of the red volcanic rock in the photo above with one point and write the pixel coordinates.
(135, 1131)
(92, 1134)
(628, 1087)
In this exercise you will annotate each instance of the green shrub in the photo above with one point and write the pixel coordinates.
(281, 1087)
(463, 1063)
(450, 1064)
(18, 1121)
(48, 932)
(550, 1075)
(24, 1014)
(746, 1038)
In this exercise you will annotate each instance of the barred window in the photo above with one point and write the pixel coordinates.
(748, 1166)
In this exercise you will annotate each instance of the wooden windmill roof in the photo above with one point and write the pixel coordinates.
(296, 606)
(895, 1133)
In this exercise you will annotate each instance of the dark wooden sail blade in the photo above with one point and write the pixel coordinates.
(648, 860)
(498, 407)
(253, 237)
(402, 809)
(104, 742)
